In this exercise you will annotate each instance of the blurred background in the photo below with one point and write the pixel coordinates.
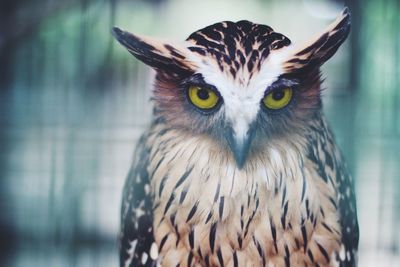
(73, 103)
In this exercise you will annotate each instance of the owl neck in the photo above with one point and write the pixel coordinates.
(188, 169)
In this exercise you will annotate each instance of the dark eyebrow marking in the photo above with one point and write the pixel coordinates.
(198, 80)
(195, 78)
(282, 81)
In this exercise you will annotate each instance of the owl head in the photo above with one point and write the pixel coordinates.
(241, 84)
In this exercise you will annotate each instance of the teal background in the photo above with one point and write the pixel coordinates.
(73, 103)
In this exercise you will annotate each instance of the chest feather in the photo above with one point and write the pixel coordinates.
(276, 211)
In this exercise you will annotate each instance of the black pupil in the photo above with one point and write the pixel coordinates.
(203, 94)
(278, 95)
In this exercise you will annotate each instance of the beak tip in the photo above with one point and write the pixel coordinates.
(239, 147)
(240, 153)
(240, 160)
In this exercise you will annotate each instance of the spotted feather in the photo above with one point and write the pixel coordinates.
(136, 237)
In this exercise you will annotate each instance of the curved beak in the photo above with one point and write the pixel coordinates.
(239, 145)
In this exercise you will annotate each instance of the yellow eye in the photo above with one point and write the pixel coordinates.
(278, 99)
(203, 98)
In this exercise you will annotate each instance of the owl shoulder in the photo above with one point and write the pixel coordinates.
(136, 236)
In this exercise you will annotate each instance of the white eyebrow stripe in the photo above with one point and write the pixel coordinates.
(242, 100)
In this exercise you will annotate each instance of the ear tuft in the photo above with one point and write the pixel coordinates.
(116, 32)
(323, 47)
(161, 56)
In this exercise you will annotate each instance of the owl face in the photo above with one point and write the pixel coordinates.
(240, 84)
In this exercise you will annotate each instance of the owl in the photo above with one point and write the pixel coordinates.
(238, 166)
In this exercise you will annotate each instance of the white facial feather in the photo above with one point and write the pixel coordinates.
(242, 99)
